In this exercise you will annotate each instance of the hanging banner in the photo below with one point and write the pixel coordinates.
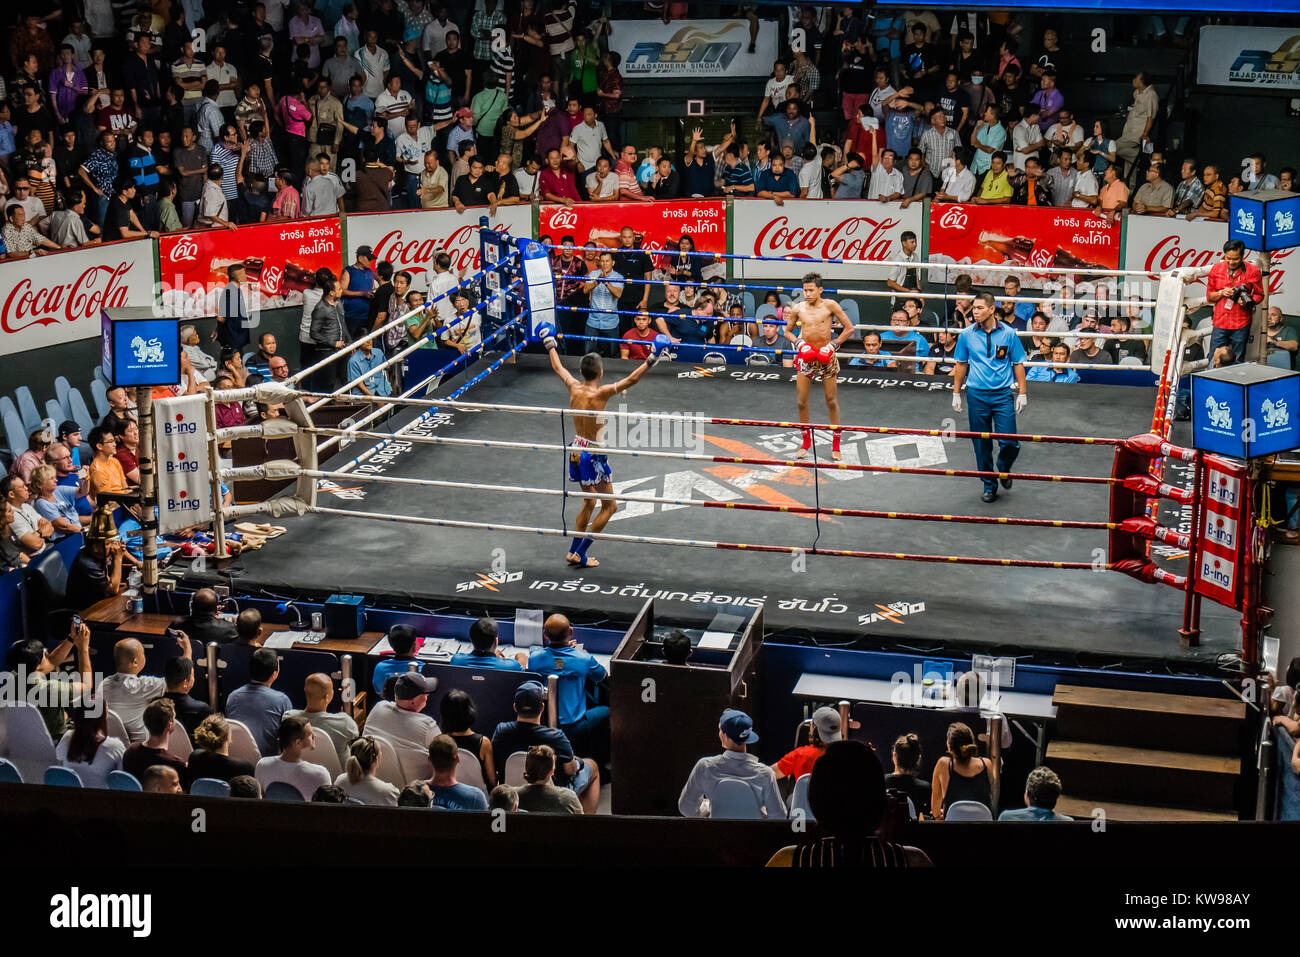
(684, 50)
(184, 480)
(57, 298)
(410, 239)
(280, 260)
(814, 229)
(659, 226)
(1264, 59)
(1157, 244)
(984, 237)
(1222, 543)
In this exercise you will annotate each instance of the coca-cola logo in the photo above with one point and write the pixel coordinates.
(271, 277)
(1040, 257)
(185, 250)
(860, 238)
(416, 255)
(97, 288)
(564, 218)
(1169, 254)
(954, 218)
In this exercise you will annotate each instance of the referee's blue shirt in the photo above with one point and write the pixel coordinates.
(990, 356)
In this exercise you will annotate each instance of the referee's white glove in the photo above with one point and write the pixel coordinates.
(956, 401)
(1022, 400)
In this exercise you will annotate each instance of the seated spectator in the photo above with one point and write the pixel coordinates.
(777, 183)
(248, 628)
(602, 183)
(28, 529)
(736, 733)
(56, 503)
(1155, 197)
(403, 723)
(358, 778)
(1062, 179)
(179, 675)
(506, 798)
(1031, 189)
(458, 716)
(128, 452)
(329, 794)
(847, 796)
(887, 181)
(1090, 351)
(579, 672)
(917, 181)
(483, 636)
(106, 473)
(961, 774)
(959, 182)
(580, 775)
(822, 729)
(1122, 348)
(366, 363)
(295, 736)
(38, 440)
(444, 756)
(70, 226)
(1059, 355)
(203, 364)
(159, 719)
(1042, 791)
(849, 177)
(676, 647)
(906, 754)
(202, 624)
(401, 638)
(257, 705)
(337, 726)
(21, 237)
(899, 335)
(86, 747)
(128, 692)
(211, 755)
(161, 779)
(416, 795)
(96, 572)
(539, 795)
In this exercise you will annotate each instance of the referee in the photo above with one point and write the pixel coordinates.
(990, 353)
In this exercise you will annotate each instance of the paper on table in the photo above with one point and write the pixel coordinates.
(528, 628)
(721, 640)
(284, 639)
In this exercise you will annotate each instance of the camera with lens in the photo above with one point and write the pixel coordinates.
(1242, 297)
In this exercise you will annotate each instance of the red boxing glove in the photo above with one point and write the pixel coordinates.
(807, 353)
(826, 353)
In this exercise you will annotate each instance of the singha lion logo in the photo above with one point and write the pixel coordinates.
(1276, 415)
(150, 351)
(1220, 414)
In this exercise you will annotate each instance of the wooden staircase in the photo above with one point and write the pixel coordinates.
(1140, 756)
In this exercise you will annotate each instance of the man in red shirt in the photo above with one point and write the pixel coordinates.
(637, 339)
(556, 183)
(800, 761)
(867, 143)
(1234, 287)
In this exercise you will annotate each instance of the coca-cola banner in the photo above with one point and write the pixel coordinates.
(409, 240)
(280, 261)
(58, 298)
(1158, 244)
(983, 237)
(658, 226)
(813, 229)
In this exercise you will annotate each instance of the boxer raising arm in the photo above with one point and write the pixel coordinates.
(815, 353)
(590, 469)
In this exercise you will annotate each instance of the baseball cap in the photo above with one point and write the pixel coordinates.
(827, 723)
(412, 685)
(738, 726)
(463, 112)
(530, 695)
(365, 251)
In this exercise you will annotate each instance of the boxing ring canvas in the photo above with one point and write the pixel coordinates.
(1051, 612)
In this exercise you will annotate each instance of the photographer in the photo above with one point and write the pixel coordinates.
(1234, 287)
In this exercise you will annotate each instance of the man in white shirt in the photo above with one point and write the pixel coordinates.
(413, 142)
(393, 105)
(306, 28)
(226, 75)
(405, 727)
(339, 726)
(80, 42)
(588, 138)
(886, 180)
(736, 733)
(526, 177)
(127, 693)
(1086, 187)
(442, 281)
(1066, 133)
(1026, 138)
(322, 193)
(435, 34)
(296, 736)
(374, 64)
(880, 94)
(602, 182)
(28, 529)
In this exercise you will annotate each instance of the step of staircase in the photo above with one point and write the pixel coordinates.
(1141, 775)
(1082, 809)
(1184, 723)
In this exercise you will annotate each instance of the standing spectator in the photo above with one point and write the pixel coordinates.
(191, 165)
(855, 78)
(790, 126)
(213, 210)
(374, 65)
(849, 178)
(604, 286)
(918, 182)
(1114, 194)
(140, 74)
(938, 143)
(807, 79)
(1155, 197)
(988, 137)
(288, 204)
(1234, 287)
(326, 130)
(699, 168)
(305, 28)
(414, 146)
(1087, 193)
(67, 84)
(1137, 126)
(610, 91)
(558, 22)
(887, 180)
(1049, 101)
(1062, 179)
(374, 183)
(1027, 138)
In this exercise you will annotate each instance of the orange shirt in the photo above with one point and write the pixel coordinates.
(1113, 196)
(106, 476)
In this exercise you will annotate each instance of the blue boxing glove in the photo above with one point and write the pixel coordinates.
(659, 346)
(546, 333)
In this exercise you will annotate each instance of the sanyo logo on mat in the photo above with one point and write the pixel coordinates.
(83, 911)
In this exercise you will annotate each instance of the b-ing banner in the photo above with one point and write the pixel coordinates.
(1266, 59)
(981, 238)
(659, 226)
(809, 230)
(1158, 244)
(411, 239)
(184, 479)
(691, 49)
(279, 259)
(50, 300)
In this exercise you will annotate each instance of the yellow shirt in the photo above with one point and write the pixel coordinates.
(996, 187)
(106, 476)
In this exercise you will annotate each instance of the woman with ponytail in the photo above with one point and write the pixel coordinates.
(907, 768)
(961, 774)
(211, 755)
(358, 778)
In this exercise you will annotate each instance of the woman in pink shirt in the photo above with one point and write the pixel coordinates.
(294, 117)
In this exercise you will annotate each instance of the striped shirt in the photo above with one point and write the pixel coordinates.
(738, 175)
(503, 64)
(838, 852)
(559, 30)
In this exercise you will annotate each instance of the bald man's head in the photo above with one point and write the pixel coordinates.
(558, 630)
(128, 656)
(204, 604)
(320, 691)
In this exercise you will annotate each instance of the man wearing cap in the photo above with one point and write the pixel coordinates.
(403, 723)
(736, 732)
(826, 728)
(461, 132)
(587, 728)
(580, 775)
(992, 357)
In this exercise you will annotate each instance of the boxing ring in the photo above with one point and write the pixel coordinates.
(454, 494)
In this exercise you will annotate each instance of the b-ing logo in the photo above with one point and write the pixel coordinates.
(1216, 571)
(1220, 530)
(893, 613)
(1276, 415)
(1223, 488)
(147, 350)
(490, 580)
(185, 250)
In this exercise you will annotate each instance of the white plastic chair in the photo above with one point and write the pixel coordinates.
(28, 740)
(799, 797)
(735, 800)
(324, 753)
(469, 771)
(1131, 361)
(242, 745)
(389, 768)
(967, 811)
(178, 742)
(117, 728)
(514, 773)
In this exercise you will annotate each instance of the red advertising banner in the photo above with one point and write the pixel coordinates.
(280, 258)
(1222, 532)
(411, 239)
(1057, 240)
(658, 226)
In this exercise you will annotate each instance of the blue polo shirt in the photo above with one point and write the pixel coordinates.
(375, 381)
(604, 304)
(471, 660)
(787, 182)
(574, 669)
(922, 347)
(990, 356)
(388, 666)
